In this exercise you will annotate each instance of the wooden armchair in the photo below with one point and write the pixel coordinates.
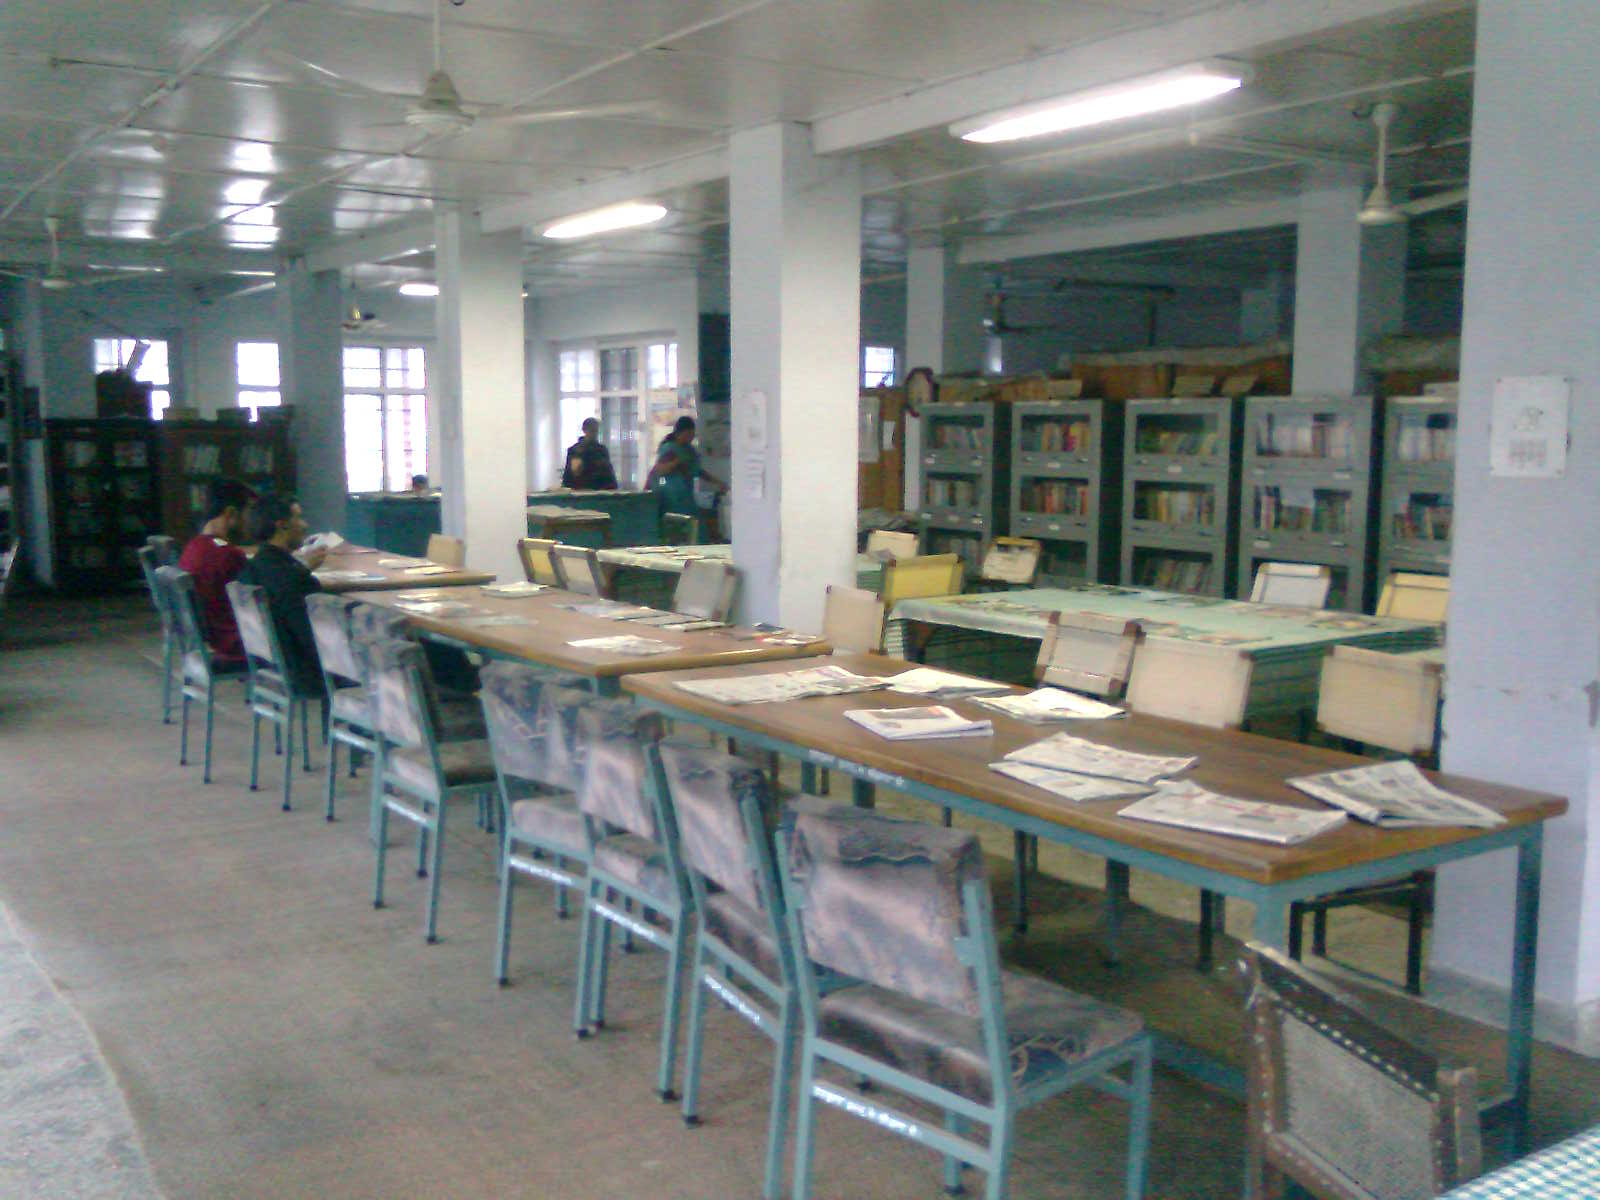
(1011, 562)
(1089, 653)
(852, 620)
(925, 575)
(578, 569)
(892, 544)
(538, 563)
(705, 589)
(1299, 585)
(446, 551)
(1415, 597)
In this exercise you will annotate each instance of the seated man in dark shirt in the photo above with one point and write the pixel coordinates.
(589, 463)
(213, 559)
(278, 528)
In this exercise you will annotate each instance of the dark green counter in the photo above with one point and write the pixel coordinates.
(635, 516)
(399, 524)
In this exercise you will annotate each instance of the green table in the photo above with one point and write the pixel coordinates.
(997, 634)
(1567, 1171)
(649, 574)
(635, 516)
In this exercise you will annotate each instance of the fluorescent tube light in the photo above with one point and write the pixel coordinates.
(419, 289)
(1115, 102)
(628, 215)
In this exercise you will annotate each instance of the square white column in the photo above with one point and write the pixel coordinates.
(311, 378)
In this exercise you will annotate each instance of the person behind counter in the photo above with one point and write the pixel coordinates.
(588, 466)
(419, 487)
(676, 469)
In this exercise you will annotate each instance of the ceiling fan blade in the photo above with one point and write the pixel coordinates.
(1435, 202)
(330, 79)
(525, 115)
(18, 275)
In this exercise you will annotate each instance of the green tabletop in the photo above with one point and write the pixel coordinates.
(1567, 1171)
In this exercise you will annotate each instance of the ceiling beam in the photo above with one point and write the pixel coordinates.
(1234, 28)
(692, 169)
(137, 254)
(377, 247)
(1227, 218)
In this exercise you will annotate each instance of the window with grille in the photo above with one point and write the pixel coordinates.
(153, 367)
(259, 381)
(385, 417)
(877, 366)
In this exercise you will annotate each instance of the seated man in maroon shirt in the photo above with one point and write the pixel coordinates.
(214, 559)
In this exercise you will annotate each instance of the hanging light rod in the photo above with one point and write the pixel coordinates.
(628, 215)
(1176, 88)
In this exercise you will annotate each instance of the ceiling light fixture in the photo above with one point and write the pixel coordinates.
(418, 288)
(628, 215)
(1114, 102)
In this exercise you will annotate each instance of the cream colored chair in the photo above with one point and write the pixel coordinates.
(892, 544)
(446, 551)
(1088, 652)
(1378, 699)
(1415, 597)
(1011, 561)
(852, 620)
(1298, 585)
(705, 589)
(537, 563)
(926, 575)
(579, 570)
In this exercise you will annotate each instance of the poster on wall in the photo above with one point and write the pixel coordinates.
(1528, 427)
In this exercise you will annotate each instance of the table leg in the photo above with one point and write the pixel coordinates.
(808, 778)
(861, 794)
(1271, 925)
(1524, 957)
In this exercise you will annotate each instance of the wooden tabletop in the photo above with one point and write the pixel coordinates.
(545, 640)
(385, 571)
(1236, 764)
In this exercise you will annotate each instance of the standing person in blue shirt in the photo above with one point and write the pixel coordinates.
(674, 474)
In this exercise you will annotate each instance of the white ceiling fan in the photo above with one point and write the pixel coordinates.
(1380, 208)
(438, 109)
(55, 276)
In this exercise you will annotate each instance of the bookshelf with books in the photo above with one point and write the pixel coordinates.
(1306, 490)
(194, 453)
(1179, 493)
(1419, 467)
(9, 482)
(103, 499)
(966, 476)
(1066, 470)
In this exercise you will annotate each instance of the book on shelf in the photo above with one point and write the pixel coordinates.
(951, 493)
(1175, 505)
(1396, 795)
(1054, 497)
(204, 458)
(933, 683)
(1290, 510)
(1057, 437)
(1189, 806)
(129, 454)
(1429, 522)
(1067, 784)
(1174, 573)
(1304, 435)
(1064, 752)
(914, 724)
(955, 435)
(1152, 438)
(1432, 440)
(1050, 704)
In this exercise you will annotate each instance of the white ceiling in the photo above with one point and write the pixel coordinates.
(92, 130)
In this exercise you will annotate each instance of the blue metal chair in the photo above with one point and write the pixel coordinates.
(904, 908)
(532, 733)
(347, 705)
(631, 873)
(415, 775)
(150, 559)
(198, 669)
(724, 808)
(273, 694)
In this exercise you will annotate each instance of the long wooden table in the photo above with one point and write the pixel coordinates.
(383, 571)
(544, 629)
(955, 773)
(649, 574)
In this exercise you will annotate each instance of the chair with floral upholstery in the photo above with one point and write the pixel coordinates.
(532, 722)
(348, 707)
(415, 774)
(903, 907)
(198, 669)
(273, 694)
(632, 882)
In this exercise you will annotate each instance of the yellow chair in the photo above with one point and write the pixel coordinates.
(852, 620)
(537, 563)
(925, 575)
(1298, 585)
(1415, 597)
(890, 544)
(446, 551)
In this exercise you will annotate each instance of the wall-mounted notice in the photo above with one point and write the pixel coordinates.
(752, 421)
(1528, 426)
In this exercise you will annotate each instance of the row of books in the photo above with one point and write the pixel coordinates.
(968, 546)
(204, 459)
(1051, 436)
(1425, 522)
(1175, 505)
(1329, 512)
(952, 435)
(951, 493)
(1153, 439)
(1434, 441)
(1310, 435)
(1059, 496)
(1174, 573)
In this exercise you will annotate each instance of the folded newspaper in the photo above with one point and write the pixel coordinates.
(1190, 806)
(623, 644)
(1396, 795)
(341, 575)
(908, 724)
(1067, 784)
(519, 588)
(431, 569)
(1050, 704)
(1063, 752)
(927, 681)
(434, 607)
(785, 685)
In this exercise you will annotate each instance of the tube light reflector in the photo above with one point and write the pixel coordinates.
(1115, 102)
(628, 215)
(415, 288)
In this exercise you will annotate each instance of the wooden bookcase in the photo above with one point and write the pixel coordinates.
(1180, 491)
(966, 477)
(104, 499)
(1306, 492)
(1066, 485)
(195, 453)
(1419, 471)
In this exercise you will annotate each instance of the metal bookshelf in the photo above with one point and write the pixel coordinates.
(966, 480)
(1419, 476)
(1306, 490)
(103, 497)
(1066, 476)
(1180, 491)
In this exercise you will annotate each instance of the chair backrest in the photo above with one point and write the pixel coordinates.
(852, 619)
(1388, 700)
(1415, 597)
(564, 747)
(399, 702)
(9, 574)
(1088, 652)
(1011, 560)
(713, 796)
(447, 551)
(680, 529)
(705, 589)
(1343, 1106)
(881, 900)
(579, 570)
(892, 543)
(149, 562)
(330, 627)
(175, 592)
(616, 789)
(927, 575)
(528, 717)
(1190, 681)
(256, 630)
(536, 562)
(1299, 585)
(164, 548)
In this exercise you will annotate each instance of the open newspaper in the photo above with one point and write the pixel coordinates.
(908, 724)
(343, 575)
(1067, 784)
(783, 685)
(1395, 794)
(930, 682)
(1050, 704)
(519, 588)
(1190, 806)
(623, 644)
(1063, 752)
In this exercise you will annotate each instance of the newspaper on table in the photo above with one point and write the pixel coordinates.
(927, 681)
(491, 620)
(652, 616)
(1396, 795)
(399, 562)
(1067, 784)
(693, 624)
(785, 685)
(434, 607)
(910, 724)
(1063, 752)
(519, 588)
(606, 610)
(342, 575)
(1190, 806)
(430, 569)
(1050, 704)
(624, 643)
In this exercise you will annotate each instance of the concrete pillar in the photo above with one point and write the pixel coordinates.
(479, 391)
(34, 499)
(1521, 691)
(795, 240)
(311, 376)
(965, 291)
(924, 346)
(1263, 312)
(1349, 287)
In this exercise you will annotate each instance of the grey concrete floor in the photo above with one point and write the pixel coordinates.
(275, 1036)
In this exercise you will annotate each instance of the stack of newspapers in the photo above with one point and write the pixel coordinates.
(1395, 795)
(1190, 806)
(910, 724)
(1077, 769)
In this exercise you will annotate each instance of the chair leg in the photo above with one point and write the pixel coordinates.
(999, 1155)
(600, 969)
(333, 773)
(255, 748)
(1297, 918)
(305, 736)
(288, 754)
(1414, 914)
(586, 949)
(952, 1164)
(778, 1117)
(183, 734)
(1319, 933)
(674, 1006)
(697, 1021)
(1116, 898)
(1019, 891)
(211, 718)
(438, 873)
(804, 1127)
(1139, 1122)
(381, 830)
(166, 678)
(947, 817)
(422, 851)
(502, 941)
